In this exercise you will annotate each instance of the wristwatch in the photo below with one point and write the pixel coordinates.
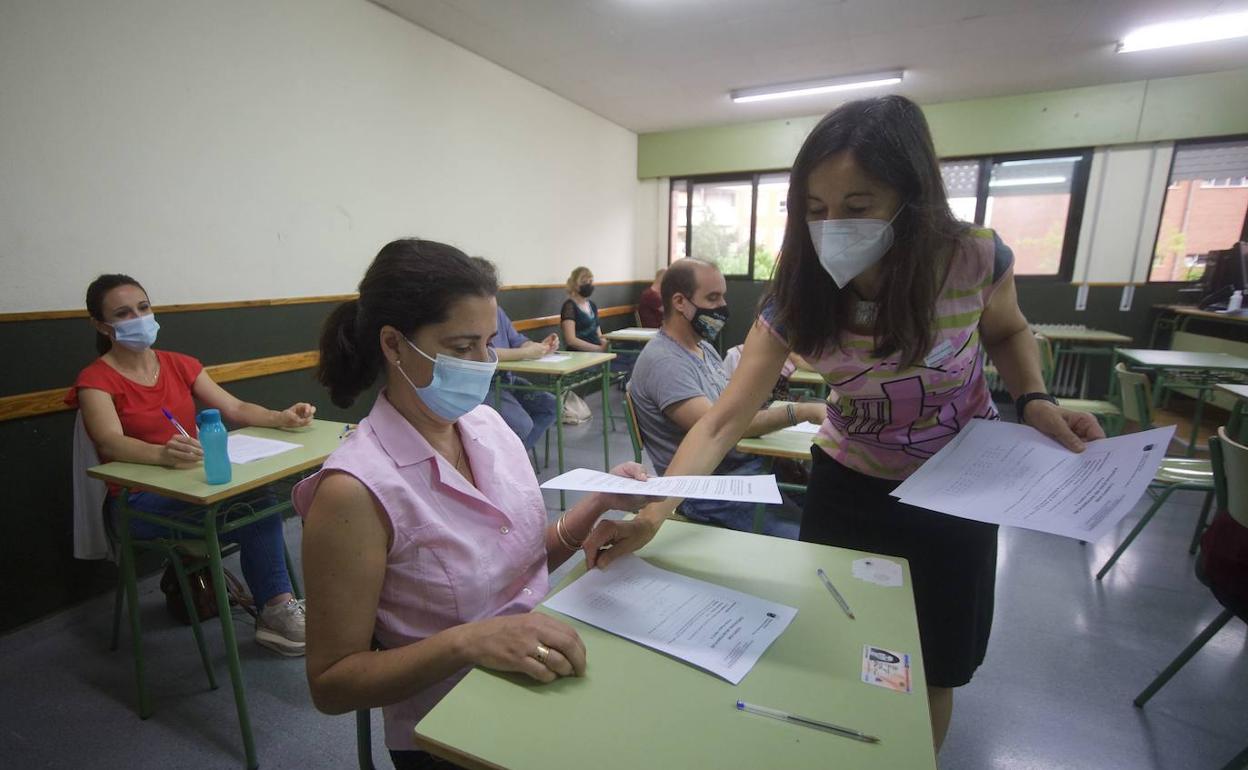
(1022, 401)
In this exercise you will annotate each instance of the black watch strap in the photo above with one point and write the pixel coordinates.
(1022, 401)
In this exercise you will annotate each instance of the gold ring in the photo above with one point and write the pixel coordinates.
(542, 653)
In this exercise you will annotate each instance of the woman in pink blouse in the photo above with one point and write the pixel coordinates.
(426, 529)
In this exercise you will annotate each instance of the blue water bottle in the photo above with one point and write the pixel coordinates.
(213, 438)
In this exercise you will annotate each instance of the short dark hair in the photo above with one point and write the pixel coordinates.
(681, 278)
(96, 291)
(889, 138)
(411, 283)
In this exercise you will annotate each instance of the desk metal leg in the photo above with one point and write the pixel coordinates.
(132, 604)
(606, 420)
(559, 393)
(227, 632)
(1200, 409)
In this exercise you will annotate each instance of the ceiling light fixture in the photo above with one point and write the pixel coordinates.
(1027, 181)
(815, 87)
(1203, 30)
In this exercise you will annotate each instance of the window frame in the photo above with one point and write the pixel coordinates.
(696, 179)
(1074, 211)
(1070, 238)
(1174, 154)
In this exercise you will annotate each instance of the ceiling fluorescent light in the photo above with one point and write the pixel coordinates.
(1027, 181)
(815, 87)
(1203, 30)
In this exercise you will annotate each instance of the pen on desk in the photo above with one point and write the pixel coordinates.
(835, 593)
(169, 416)
(806, 722)
(346, 429)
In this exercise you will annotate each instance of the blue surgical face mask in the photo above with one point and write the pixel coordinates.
(846, 247)
(458, 385)
(136, 333)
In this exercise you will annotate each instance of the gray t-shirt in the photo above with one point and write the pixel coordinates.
(666, 374)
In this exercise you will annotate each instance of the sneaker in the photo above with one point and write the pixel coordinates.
(280, 627)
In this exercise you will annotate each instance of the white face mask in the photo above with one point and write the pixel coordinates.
(846, 247)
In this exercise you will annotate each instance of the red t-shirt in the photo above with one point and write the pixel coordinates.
(138, 406)
(650, 308)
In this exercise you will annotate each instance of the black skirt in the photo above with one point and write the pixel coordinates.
(953, 562)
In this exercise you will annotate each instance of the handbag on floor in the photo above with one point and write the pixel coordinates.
(202, 596)
(575, 410)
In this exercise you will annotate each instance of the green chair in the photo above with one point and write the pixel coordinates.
(634, 430)
(1175, 473)
(199, 553)
(1230, 469)
(1106, 412)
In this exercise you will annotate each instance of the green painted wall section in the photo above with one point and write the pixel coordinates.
(1212, 104)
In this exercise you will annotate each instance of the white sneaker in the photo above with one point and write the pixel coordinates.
(281, 628)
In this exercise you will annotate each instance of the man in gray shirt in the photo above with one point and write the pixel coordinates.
(679, 375)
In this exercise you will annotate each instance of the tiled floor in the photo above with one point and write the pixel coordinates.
(1066, 658)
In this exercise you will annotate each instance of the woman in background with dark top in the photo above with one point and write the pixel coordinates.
(579, 316)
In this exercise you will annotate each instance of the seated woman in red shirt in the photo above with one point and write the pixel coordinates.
(121, 395)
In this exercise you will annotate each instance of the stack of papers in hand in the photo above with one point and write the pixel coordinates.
(1003, 473)
(741, 489)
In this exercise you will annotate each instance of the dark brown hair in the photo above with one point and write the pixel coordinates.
(95, 303)
(411, 283)
(889, 139)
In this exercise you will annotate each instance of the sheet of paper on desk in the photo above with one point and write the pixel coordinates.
(804, 427)
(716, 629)
(245, 449)
(1011, 474)
(740, 489)
(553, 358)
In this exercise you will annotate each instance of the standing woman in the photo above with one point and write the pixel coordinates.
(579, 316)
(894, 302)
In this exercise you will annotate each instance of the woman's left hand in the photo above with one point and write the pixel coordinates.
(297, 416)
(630, 503)
(1067, 427)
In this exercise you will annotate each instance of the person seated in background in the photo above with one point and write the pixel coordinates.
(426, 529)
(679, 375)
(122, 396)
(781, 391)
(650, 305)
(579, 316)
(529, 414)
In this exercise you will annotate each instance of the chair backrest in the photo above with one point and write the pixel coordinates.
(1045, 348)
(1137, 396)
(636, 318)
(91, 539)
(1231, 463)
(634, 429)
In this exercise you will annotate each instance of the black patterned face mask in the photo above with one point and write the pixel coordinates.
(708, 322)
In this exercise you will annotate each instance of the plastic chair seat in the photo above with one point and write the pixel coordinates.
(1091, 406)
(1183, 470)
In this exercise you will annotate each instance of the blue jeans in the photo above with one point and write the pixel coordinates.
(263, 546)
(527, 413)
(740, 516)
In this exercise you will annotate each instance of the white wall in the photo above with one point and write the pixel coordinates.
(653, 203)
(1126, 189)
(242, 149)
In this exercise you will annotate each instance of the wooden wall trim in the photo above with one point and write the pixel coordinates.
(51, 401)
(48, 315)
(40, 402)
(528, 324)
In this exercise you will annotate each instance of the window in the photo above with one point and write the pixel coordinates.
(1206, 208)
(735, 221)
(1034, 202)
